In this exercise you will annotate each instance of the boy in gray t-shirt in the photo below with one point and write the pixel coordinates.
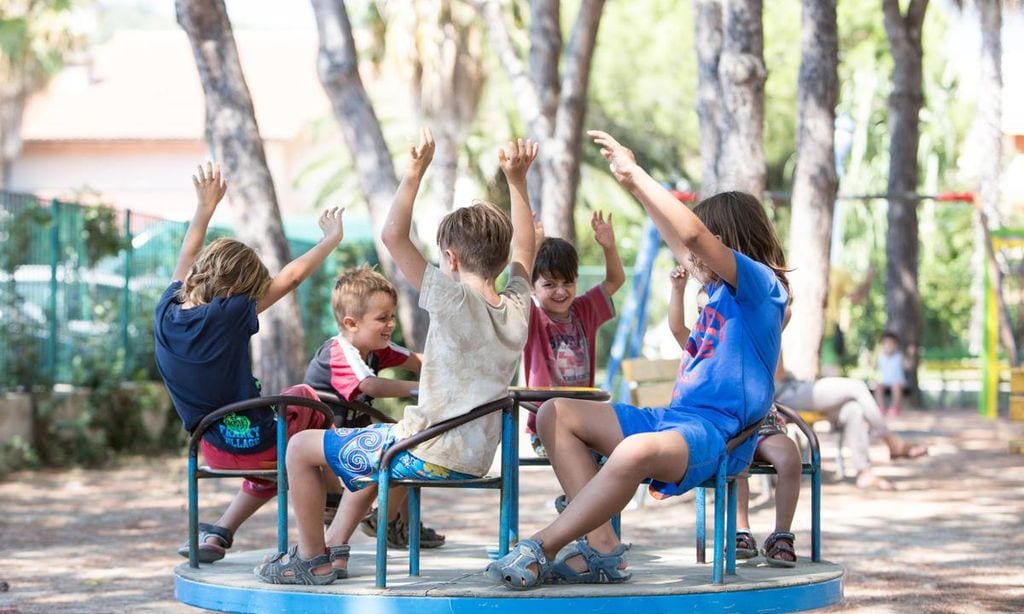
(475, 338)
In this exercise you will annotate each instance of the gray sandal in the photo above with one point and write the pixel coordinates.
(601, 568)
(339, 553)
(296, 570)
(210, 552)
(513, 569)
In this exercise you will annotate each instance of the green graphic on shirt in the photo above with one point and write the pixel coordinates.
(237, 426)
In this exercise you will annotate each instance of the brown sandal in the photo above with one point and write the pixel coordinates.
(777, 546)
(909, 450)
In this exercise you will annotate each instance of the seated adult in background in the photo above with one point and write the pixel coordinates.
(848, 403)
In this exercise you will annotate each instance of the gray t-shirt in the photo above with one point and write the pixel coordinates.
(469, 359)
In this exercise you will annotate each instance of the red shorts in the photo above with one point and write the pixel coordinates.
(300, 418)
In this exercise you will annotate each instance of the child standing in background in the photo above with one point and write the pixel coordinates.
(563, 326)
(892, 377)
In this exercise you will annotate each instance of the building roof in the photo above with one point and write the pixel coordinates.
(144, 85)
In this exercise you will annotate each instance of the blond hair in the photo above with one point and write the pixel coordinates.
(480, 235)
(352, 290)
(225, 267)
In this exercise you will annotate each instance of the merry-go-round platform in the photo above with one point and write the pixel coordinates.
(665, 579)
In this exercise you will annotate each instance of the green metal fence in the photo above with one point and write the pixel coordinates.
(78, 287)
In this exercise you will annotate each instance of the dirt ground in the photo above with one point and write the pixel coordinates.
(948, 540)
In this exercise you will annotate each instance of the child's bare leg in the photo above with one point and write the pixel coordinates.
(306, 463)
(897, 399)
(742, 503)
(880, 397)
(569, 430)
(781, 452)
(239, 510)
(662, 456)
(352, 510)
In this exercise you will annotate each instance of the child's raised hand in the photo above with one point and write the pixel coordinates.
(517, 159)
(621, 160)
(421, 155)
(538, 230)
(210, 185)
(331, 224)
(604, 233)
(679, 276)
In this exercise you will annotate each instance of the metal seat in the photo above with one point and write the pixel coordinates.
(279, 405)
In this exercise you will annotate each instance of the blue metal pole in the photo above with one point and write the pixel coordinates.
(126, 296)
(508, 520)
(193, 511)
(51, 358)
(629, 318)
(282, 478)
(816, 507)
(730, 530)
(701, 524)
(383, 484)
(414, 530)
(716, 574)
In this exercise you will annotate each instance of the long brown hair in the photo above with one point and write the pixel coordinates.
(224, 268)
(741, 222)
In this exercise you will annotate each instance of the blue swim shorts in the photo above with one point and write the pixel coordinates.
(354, 454)
(705, 441)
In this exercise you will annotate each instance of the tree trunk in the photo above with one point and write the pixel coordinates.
(902, 296)
(278, 350)
(448, 80)
(554, 195)
(814, 185)
(741, 76)
(338, 66)
(707, 30)
(12, 107)
(561, 164)
(989, 132)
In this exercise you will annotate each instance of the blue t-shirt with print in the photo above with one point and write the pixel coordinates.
(733, 350)
(203, 356)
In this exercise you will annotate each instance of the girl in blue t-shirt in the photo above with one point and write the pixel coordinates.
(725, 386)
(204, 322)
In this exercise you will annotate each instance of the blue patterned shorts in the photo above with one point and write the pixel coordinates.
(354, 455)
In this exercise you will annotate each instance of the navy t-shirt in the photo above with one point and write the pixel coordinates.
(203, 356)
(733, 349)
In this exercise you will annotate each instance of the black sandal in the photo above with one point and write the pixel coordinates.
(210, 552)
(746, 546)
(778, 544)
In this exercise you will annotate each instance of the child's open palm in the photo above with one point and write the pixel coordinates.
(604, 233)
(515, 159)
(420, 155)
(331, 225)
(210, 185)
(620, 158)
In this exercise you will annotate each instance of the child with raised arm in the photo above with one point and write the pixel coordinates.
(364, 304)
(729, 245)
(773, 446)
(563, 326)
(204, 321)
(474, 341)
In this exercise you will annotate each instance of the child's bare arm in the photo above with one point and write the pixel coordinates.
(299, 269)
(210, 188)
(676, 315)
(413, 363)
(385, 387)
(398, 225)
(514, 163)
(604, 234)
(683, 231)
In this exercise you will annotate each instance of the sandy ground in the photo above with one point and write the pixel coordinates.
(948, 540)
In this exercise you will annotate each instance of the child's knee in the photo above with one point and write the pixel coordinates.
(302, 444)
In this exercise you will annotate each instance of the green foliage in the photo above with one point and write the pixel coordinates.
(101, 233)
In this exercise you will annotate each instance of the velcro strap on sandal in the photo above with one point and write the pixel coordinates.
(226, 535)
(341, 552)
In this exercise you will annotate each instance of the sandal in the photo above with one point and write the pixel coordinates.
(513, 569)
(602, 568)
(339, 553)
(746, 546)
(398, 532)
(777, 545)
(209, 552)
(296, 570)
(560, 503)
